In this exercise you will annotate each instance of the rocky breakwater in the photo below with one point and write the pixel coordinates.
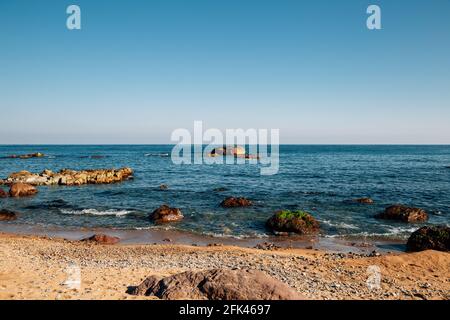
(69, 177)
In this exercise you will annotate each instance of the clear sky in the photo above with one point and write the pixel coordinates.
(137, 70)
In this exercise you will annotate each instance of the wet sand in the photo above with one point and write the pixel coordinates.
(34, 267)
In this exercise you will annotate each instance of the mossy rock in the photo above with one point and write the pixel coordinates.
(429, 238)
(298, 221)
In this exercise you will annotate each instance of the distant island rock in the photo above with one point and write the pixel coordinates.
(70, 177)
(26, 156)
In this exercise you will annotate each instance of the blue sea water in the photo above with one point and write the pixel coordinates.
(318, 179)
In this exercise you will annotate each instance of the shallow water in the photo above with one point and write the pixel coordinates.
(318, 179)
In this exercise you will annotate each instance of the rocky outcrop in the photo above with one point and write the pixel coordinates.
(217, 284)
(166, 214)
(70, 177)
(22, 190)
(232, 202)
(26, 156)
(6, 215)
(403, 213)
(287, 221)
(429, 238)
(102, 239)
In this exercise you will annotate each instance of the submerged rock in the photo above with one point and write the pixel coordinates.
(166, 214)
(429, 238)
(6, 215)
(70, 177)
(163, 187)
(299, 222)
(217, 284)
(232, 202)
(22, 190)
(364, 200)
(102, 239)
(403, 213)
(3, 194)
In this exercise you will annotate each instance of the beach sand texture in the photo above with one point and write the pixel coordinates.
(37, 267)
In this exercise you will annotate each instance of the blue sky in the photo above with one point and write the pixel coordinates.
(140, 69)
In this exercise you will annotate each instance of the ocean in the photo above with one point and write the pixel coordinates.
(317, 178)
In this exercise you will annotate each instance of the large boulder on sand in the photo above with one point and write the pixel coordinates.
(429, 238)
(232, 202)
(403, 213)
(299, 222)
(22, 190)
(102, 239)
(6, 215)
(166, 214)
(217, 284)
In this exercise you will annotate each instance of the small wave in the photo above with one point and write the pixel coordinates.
(95, 212)
(341, 225)
(157, 154)
(392, 232)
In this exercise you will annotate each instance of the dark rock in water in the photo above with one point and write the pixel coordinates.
(163, 187)
(6, 215)
(22, 190)
(221, 189)
(166, 214)
(403, 213)
(3, 194)
(26, 156)
(102, 239)
(298, 221)
(232, 202)
(364, 200)
(97, 157)
(217, 284)
(429, 238)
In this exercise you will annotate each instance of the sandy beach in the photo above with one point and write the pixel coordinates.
(33, 267)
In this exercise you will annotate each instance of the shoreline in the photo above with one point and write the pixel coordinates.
(33, 267)
(173, 236)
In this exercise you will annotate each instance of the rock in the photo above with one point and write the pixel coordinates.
(293, 221)
(228, 150)
(403, 213)
(163, 187)
(232, 202)
(27, 156)
(429, 238)
(102, 239)
(220, 189)
(364, 200)
(267, 246)
(71, 177)
(6, 215)
(217, 284)
(166, 214)
(22, 190)
(3, 194)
